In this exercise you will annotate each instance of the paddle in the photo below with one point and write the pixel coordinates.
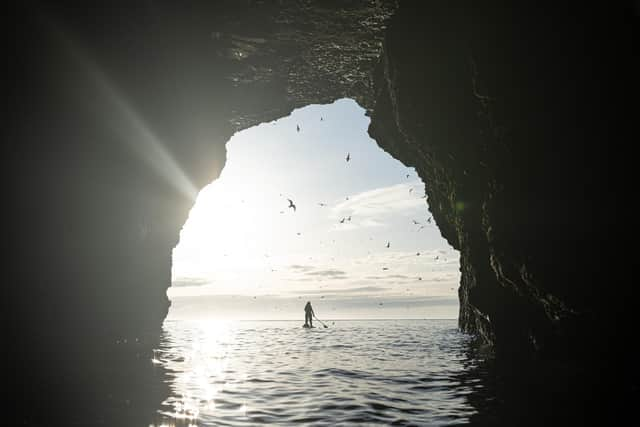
(320, 321)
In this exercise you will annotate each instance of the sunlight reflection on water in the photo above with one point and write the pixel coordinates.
(248, 373)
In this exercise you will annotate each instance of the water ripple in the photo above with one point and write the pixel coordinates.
(401, 373)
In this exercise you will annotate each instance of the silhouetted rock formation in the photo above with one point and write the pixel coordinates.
(504, 112)
(513, 117)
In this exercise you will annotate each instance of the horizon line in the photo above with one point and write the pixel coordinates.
(326, 320)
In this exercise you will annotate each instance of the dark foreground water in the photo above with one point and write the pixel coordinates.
(396, 372)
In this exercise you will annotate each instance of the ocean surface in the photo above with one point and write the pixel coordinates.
(392, 372)
(362, 373)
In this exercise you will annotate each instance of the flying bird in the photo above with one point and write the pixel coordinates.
(407, 175)
(410, 190)
(388, 244)
(342, 220)
(321, 119)
(291, 205)
(322, 204)
(348, 157)
(415, 222)
(298, 128)
(429, 220)
(385, 268)
(349, 218)
(437, 257)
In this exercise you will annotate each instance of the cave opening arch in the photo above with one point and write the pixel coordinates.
(309, 207)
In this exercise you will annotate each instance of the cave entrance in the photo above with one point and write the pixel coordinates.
(308, 207)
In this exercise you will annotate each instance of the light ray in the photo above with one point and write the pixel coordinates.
(129, 125)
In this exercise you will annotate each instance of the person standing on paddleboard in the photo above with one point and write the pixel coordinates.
(308, 315)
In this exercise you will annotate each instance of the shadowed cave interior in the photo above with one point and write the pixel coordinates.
(513, 116)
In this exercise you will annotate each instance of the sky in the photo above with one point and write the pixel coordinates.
(359, 244)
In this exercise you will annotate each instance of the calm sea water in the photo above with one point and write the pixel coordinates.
(395, 372)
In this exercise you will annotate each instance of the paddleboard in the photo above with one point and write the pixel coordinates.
(307, 326)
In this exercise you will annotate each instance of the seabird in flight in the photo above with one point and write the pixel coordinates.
(291, 205)
(348, 157)
(388, 244)
(298, 128)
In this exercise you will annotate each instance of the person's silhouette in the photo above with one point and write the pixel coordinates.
(308, 315)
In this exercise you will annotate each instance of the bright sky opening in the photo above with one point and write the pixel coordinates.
(360, 242)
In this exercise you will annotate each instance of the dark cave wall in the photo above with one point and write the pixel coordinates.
(511, 114)
(515, 119)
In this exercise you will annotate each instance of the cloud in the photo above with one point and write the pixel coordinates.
(397, 276)
(190, 281)
(390, 301)
(427, 257)
(367, 207)
(332, 273)
(357, 290)
(446, 278)
(302, 268)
